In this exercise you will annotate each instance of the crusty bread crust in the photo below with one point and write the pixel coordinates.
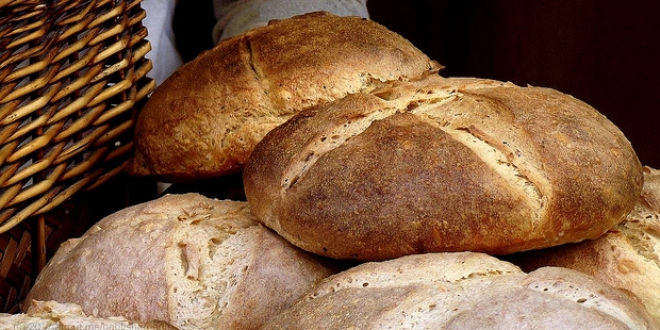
(443, 164)
(626, 257)
(462, 290)
(194, 262)
(206, 118)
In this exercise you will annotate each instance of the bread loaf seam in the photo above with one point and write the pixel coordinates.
(256, 70)
(196, 275)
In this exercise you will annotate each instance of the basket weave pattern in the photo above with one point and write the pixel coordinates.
(71, 73)
(72, 78)
(18, 265)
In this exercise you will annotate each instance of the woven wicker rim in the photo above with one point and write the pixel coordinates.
(72, 73)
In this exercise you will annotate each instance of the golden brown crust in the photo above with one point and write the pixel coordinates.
(627, 257)
(461, 291)
(207, 117)
(443, 165)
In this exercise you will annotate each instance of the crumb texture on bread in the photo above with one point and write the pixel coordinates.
(443, 164)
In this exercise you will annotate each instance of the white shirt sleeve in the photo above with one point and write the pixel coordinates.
(163, 55)
(237, 16)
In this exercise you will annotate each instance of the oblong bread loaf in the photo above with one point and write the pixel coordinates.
(443, 164)
(206, 118)
(462, 290)
(194, 262)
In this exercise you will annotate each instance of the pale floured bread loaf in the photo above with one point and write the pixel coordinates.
(206, 118)
(627, 257)
(191, 261)
(52, 315)
(462, 290)
(443, 165)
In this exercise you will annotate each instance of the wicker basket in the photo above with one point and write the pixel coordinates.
(72, 78)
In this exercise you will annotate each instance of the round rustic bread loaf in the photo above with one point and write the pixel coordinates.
(191, 261)
(626, 257)
(206, 118)
(52, 315)
(443, 164)
(462, 290)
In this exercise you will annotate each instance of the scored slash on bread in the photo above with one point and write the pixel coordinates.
(497, 153)
(206, 118)
(443, 164)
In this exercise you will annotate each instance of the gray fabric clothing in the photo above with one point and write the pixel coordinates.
(237, 16)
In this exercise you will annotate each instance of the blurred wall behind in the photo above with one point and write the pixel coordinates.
(603, 52)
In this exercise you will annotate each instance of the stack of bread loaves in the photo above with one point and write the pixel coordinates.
(380, 195)
(627, 257)
(208, 116)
